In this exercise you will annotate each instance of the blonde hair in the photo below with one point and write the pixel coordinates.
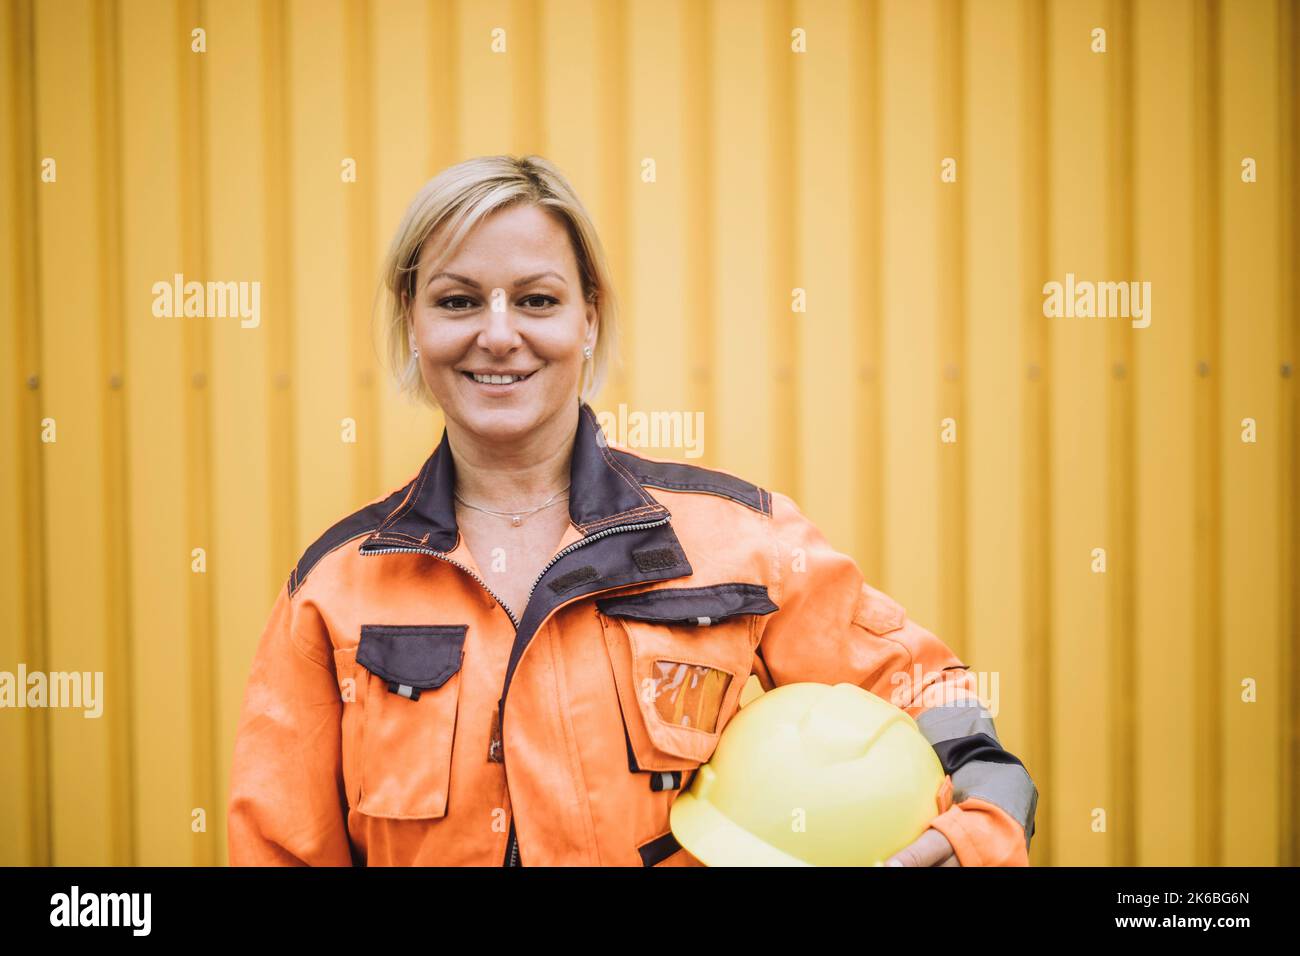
(454, 202)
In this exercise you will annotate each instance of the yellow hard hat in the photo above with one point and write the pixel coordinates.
(811, 775)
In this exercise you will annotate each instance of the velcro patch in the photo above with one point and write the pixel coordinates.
(571, 579)
(656, 559)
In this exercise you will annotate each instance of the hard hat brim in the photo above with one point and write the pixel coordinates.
(713, 839)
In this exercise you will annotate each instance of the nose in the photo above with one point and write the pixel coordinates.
(499, 334)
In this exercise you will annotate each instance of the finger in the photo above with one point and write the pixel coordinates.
(949, 857)
(932, 847)
(904, 857)
(926, 850)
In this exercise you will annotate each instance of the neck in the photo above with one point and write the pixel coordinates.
(518, 475)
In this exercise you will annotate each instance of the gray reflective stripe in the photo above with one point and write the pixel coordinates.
(703, 621)
(404, 689)
(1006, 785)
(950, 721)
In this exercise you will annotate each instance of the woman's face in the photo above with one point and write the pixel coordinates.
(509, 302)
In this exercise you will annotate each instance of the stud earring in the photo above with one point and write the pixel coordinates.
(586, 351)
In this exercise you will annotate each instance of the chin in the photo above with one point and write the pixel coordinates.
(502, 423)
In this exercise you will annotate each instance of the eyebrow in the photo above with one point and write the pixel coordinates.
(474, 285)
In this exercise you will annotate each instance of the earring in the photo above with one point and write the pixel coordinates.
(586, 373)
(414, 350)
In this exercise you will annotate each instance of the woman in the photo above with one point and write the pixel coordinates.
(461, 672)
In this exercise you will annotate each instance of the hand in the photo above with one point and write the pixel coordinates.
(931, 848)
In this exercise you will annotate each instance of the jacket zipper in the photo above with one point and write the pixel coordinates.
(512, 844)
(442, 554)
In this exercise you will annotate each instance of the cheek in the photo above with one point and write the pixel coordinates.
(441, 341)
(559, 342)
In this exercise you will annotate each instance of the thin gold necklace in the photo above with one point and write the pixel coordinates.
(516, 517)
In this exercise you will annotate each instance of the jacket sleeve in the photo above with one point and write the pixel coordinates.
(833, 627)
(287, 804)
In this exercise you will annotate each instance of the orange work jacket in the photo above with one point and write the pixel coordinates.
(397, 713)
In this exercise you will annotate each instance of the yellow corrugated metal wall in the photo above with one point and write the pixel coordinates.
(1155, 703)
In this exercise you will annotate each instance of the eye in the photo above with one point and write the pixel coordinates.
(540, 301)
(456, 303)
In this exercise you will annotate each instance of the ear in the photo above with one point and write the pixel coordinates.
(593, 326)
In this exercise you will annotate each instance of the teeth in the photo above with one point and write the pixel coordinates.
(497, 379)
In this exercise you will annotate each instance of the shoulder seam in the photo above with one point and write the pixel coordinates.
(295, 585)
(723, 485)
(358, 524)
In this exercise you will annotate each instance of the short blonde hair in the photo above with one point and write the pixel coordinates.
(454, 202)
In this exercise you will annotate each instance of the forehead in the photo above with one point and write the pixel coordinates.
(523, 236)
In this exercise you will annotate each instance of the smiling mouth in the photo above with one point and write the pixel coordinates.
(497, 379)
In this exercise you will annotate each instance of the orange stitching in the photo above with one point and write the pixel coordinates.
(644, 509)
(604, 451)
(409, 503)
(317, 562)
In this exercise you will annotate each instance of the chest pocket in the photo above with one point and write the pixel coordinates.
(680, 658)
(400, 764)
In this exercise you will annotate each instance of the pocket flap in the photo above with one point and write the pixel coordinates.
(699, 606)
(420, 656)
